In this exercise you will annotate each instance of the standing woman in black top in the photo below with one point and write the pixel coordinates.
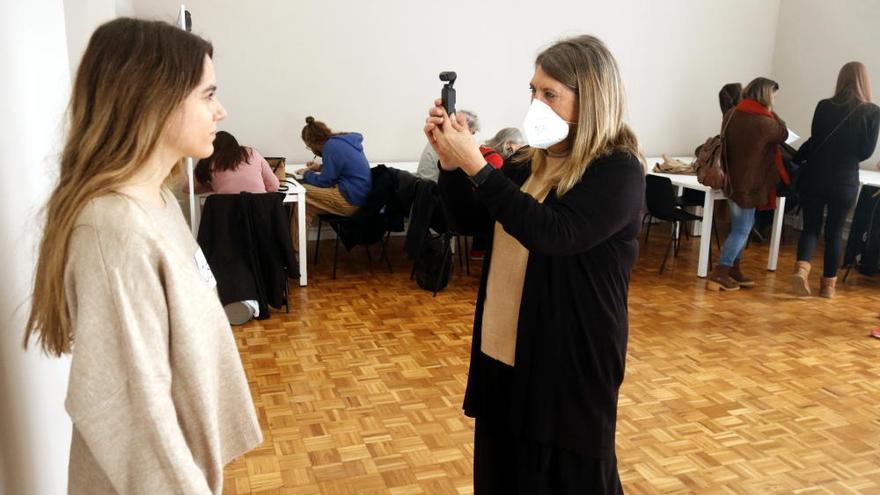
(844, 132)
(550, 329)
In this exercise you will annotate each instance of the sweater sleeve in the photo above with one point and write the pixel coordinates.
(330, 168)
(781, 133)
(200, 188)
(607, 198)
(119, 396)
(270, 180)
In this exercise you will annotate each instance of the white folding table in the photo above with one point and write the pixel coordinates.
(712, 195)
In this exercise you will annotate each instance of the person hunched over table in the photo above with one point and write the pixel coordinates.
(341, 183)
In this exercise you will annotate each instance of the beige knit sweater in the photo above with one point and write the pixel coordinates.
(157, 393)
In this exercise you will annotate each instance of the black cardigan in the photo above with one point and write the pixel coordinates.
(573, 328)
(836, 163)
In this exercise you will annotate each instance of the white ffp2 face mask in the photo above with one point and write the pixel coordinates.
(543, 126)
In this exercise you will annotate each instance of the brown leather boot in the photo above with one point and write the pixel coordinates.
(800, 283)
(737, 274)
(827, 288)
(720, 280)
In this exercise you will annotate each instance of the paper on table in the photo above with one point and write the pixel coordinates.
(792, 137)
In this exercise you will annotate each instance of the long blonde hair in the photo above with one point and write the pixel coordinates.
(133, 75)
(585, 64)
(853, 84)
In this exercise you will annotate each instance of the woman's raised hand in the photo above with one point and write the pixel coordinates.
(452, 140)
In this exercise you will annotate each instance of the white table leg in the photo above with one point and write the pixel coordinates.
(776, 234)
(706, 234)
(196, 216)
(302, 227)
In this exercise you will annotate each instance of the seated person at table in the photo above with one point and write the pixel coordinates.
(505, 142)
(340, 184)
(428, 161)
(232, 169)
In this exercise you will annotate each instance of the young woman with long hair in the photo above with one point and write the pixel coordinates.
(157, 394)
(843, 133)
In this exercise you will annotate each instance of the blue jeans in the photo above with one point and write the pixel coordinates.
(741, 221)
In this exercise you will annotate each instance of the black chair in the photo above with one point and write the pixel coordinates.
(691, 197)
(341, 225)
(661, 201)
(861, 248)
(372, 223)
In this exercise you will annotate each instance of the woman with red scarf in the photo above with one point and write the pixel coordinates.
(754, 167)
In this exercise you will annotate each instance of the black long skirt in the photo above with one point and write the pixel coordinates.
(507, 465)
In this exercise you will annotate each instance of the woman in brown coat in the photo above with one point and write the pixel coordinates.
(752, 135)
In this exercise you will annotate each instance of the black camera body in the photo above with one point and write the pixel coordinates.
(448, 92)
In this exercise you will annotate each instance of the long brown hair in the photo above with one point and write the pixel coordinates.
(585, 64)
(227, 155)
(133, 76)
(316, 133)
(853, 84)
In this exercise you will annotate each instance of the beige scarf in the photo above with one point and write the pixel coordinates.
(506, 276)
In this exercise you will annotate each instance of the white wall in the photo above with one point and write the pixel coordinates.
(34, 429)
(372, 66)
(81, 18)
(814, 39)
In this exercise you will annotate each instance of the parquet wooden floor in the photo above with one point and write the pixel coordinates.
(359, 388)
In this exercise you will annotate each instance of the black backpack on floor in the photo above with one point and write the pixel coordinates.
(433, 267)
(863, 244)
(869, 262)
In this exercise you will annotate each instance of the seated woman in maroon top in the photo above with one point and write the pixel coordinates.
(232, 169)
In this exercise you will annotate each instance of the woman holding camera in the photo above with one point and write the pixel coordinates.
(157, 394)
(843, 133)
(550, 330)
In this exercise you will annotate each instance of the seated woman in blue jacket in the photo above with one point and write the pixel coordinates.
(341, 183)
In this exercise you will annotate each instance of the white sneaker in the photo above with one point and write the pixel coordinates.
(238, 312)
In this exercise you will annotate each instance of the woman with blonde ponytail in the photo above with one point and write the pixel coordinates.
(157, 394)
(550, 330)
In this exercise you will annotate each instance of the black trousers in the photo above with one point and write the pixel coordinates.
(505, 465)
(839, 200)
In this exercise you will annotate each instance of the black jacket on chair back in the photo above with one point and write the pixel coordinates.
(246, 240)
